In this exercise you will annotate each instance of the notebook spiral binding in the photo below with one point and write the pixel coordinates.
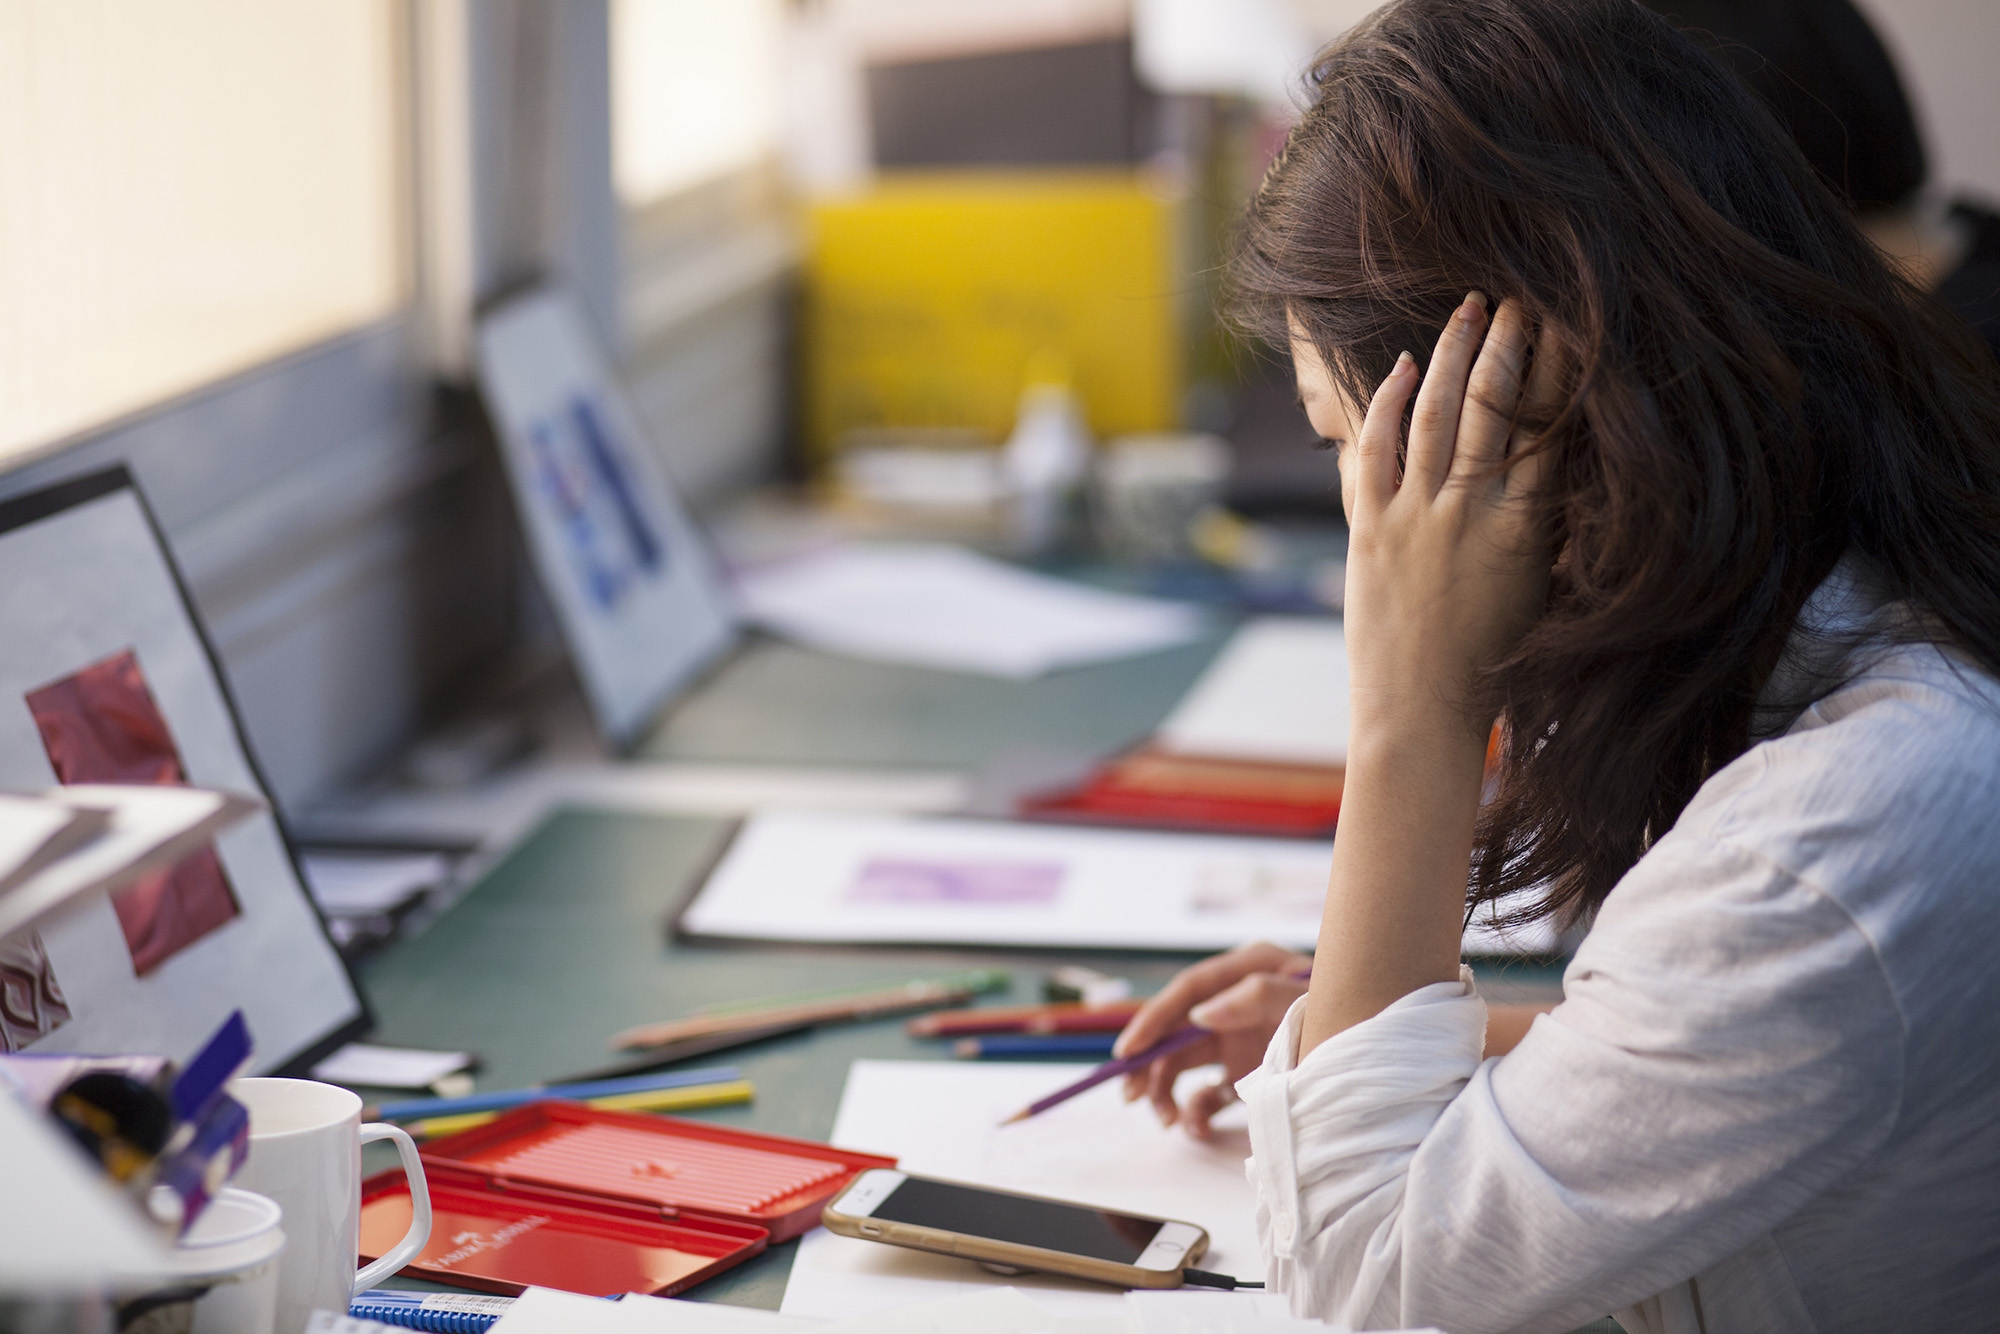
(438, 1312)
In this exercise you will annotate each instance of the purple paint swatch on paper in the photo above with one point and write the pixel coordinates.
(898, 880)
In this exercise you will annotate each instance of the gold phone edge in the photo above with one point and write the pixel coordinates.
(1039, 1259)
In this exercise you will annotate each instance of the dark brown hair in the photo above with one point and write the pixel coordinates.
(1749, 391)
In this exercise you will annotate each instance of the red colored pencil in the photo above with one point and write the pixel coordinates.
(1018, 1018)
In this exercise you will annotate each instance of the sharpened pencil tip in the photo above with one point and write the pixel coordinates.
(1021, 1115)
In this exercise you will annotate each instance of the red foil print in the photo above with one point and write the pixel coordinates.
(101, 725)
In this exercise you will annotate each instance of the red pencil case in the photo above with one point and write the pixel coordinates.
(1147, 787)
(556, 1194)
(505, 1240)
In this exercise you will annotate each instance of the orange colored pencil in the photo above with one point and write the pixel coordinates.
(1058, 1017)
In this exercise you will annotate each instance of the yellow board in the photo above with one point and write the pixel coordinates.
(927, 295)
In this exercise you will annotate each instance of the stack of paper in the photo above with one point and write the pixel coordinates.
(364, 884)
(943, 606)
(126, 832)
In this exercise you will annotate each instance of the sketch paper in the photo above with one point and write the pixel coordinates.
(632, 583)
(34, 831)
(1277, 692)
(547, 1311)
(89, 606)
(942, 606)
(883, 879)
(941, 1119)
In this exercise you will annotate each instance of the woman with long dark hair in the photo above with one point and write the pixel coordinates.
(1649, 455)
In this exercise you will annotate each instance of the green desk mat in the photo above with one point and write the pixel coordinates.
(564, 943)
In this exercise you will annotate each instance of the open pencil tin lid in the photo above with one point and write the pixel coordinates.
(507, 1240)
(676, 1168)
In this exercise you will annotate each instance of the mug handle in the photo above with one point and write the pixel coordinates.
(419, 1235)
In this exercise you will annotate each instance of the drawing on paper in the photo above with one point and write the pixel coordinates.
(31, 1002)
(1260, 889)
(913, 880)
(588, 483)
(101, 725)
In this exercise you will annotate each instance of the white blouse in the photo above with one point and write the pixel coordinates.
(1770, 1099)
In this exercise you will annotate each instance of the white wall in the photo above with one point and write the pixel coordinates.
(1949, 54)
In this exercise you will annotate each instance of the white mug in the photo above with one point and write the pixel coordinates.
(305, 1153)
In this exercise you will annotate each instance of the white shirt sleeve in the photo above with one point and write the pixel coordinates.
(1728, 1048)
(1331, 1142)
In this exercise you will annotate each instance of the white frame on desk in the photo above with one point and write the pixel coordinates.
(84, 576)
(639, 597)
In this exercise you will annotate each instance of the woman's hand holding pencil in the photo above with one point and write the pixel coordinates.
(1239, 998)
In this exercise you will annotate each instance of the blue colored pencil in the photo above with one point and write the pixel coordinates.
(1030, 1046)
(418, 1109)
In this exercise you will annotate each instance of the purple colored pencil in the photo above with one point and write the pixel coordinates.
(1166, 1046)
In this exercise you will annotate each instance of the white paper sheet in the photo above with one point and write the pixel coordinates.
(546, 1311)
(1278, 692)
(366, 1064)
(994, 1311)
(824, 876)
(942, 1119)
(942, 606)
(360, 884)
(1186, 1312)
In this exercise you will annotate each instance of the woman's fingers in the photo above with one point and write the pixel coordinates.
(1375, 453)
(1434, 425)
(1203, 1104)
(1160, 1077)
(1167, 1011)
(1493, 395)
(1256, 1005)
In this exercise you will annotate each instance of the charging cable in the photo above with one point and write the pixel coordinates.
(1201, 1278)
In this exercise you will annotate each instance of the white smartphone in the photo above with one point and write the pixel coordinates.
(998, 1227)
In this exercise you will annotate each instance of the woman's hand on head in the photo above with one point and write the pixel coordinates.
(1447, 562)
(1240, 997)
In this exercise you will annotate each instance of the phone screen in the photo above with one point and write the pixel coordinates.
(1119, 1238)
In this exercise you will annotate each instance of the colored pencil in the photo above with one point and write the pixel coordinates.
(1033, 1046)
(1101, 1019)
(981, 980)
(686, 1049)
(1057, 1017)
(414, 1109)
(657, 1100)
(1166, 1046)
(922, 994)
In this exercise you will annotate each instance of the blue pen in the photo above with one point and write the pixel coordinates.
(1030, 1046)
(417, 1109)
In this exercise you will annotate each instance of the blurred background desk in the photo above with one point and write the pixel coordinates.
(565, 941)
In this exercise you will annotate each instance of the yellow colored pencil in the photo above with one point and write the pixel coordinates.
(646, 1100)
